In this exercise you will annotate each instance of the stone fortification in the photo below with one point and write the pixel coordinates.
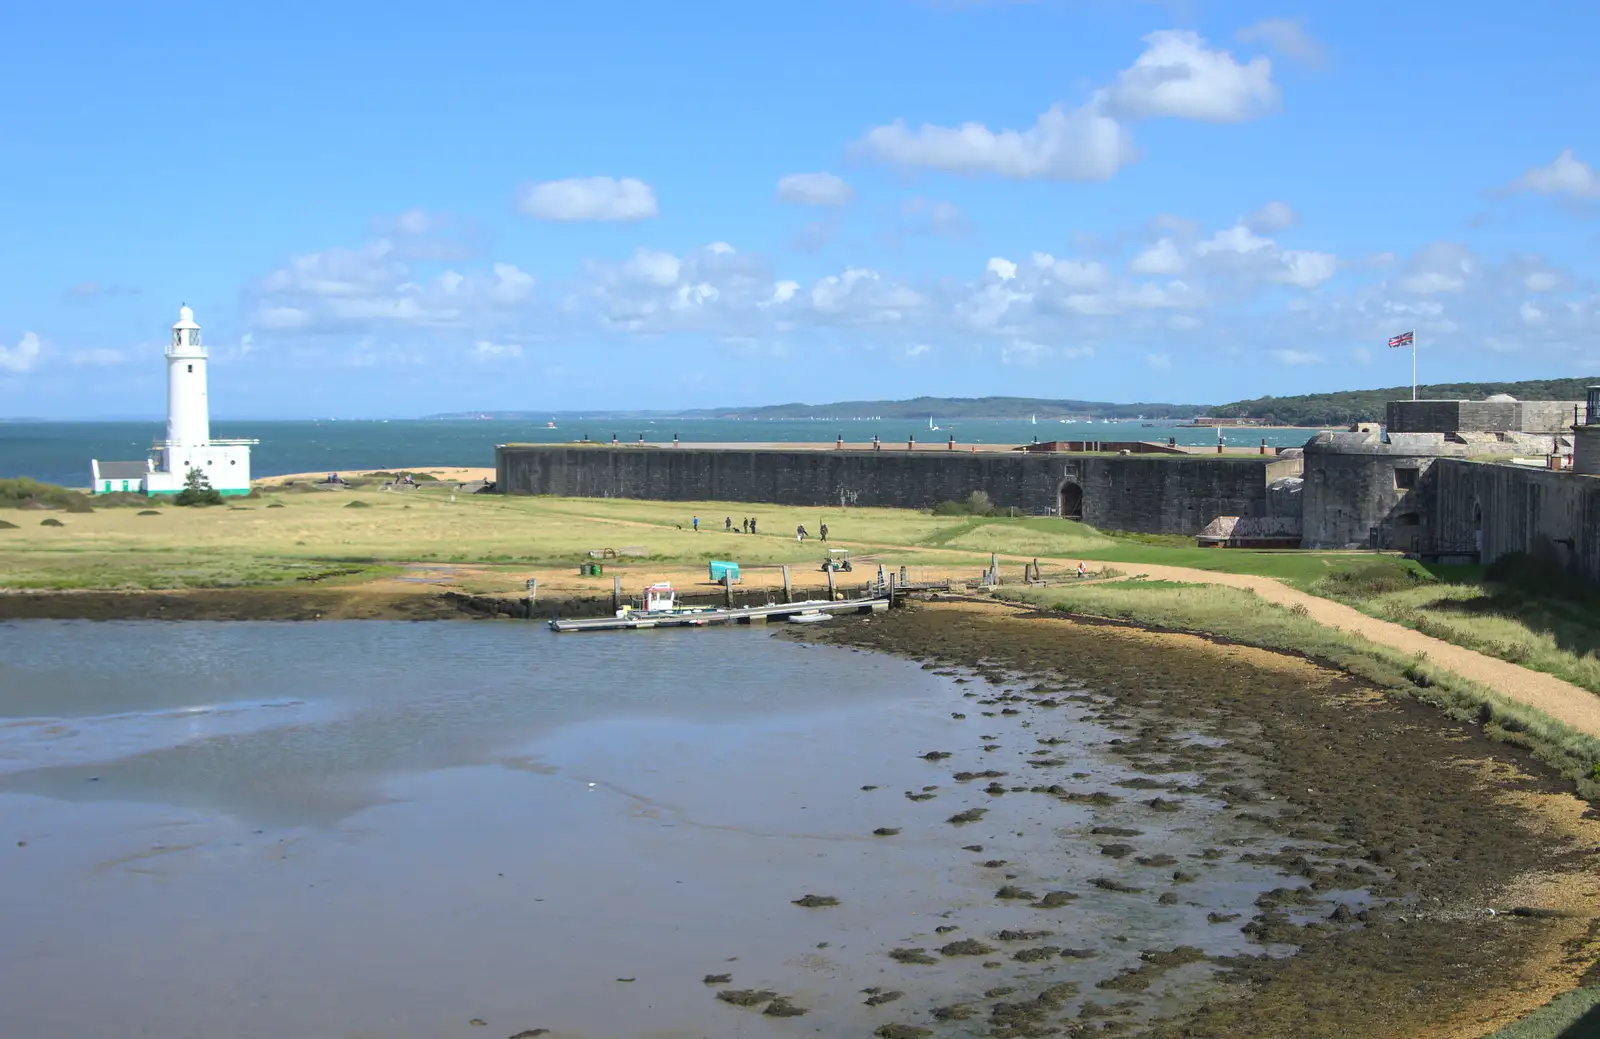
(1149, 494)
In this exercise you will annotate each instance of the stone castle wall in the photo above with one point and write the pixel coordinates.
(1150, 494)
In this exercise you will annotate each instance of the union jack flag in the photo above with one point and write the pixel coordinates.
(1403, 339)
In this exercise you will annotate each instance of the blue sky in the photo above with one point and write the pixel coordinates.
(395, 209)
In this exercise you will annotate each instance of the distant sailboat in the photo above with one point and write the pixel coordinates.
(930, 423)
(1034, 420)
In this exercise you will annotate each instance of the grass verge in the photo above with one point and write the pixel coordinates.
(1571, 1015)
(1242, 616)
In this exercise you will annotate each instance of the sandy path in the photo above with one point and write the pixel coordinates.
(1557, 698)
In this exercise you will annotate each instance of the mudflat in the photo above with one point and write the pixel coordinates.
(1431, 882)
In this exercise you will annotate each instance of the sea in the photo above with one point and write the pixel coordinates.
(59, 452)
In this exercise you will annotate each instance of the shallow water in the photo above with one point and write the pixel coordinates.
(390, 829)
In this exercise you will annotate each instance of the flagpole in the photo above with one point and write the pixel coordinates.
(1413, 364)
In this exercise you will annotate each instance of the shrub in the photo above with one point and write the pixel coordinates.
(1371, 580)
(975, 504)
(22, 491)
(148, 512)
(197, 490)
(4, 525)
(51, 521)
(357, 504)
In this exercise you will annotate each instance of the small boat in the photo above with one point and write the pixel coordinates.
(809, 617)
(550, 425)
(659, 608)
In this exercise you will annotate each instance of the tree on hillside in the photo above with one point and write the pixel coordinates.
(197, 490)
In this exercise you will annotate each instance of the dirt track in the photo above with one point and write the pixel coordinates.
(1559, 699)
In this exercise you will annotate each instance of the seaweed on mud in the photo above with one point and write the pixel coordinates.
(878, 999)
(1163, 804)
(529, 1033)
(1078, 954)
(1022, 936)
(1167, 898)
(1152, 965)
(1036, 953)
(747, 997)
(936, 755)
(1222, 918)
(992, 863)
(886, 831)
(781, 1007)
(966, 947)
(902, 1032)
(972, 847)
(717, 979)
(1155, 861)
(953, 1012)
(1099, 798)
(911, 796)
(870, 786)
(1011, 891)
(945, 929)
(912, 956)
(995, 789)
(1025, 1015)
(1055, 900)
(971, 815)
(1116, 851)
(1116, 831)
(816, 901)
(1110, 884)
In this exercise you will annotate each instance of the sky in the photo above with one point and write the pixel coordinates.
(396, 209)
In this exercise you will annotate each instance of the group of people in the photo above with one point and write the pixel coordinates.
(746, 526)
(800, 532)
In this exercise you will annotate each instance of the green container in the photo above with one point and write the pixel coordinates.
(588, 569)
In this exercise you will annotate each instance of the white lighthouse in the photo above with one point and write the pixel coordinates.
(188, 445)
(188, 412)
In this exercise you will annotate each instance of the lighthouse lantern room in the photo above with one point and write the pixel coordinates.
(188, 444)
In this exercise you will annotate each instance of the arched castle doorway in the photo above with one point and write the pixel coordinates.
(1071, 501)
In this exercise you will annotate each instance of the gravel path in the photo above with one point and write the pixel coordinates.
(1557, 698)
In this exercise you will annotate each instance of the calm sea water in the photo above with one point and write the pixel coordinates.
(369, 829)
(59, 452)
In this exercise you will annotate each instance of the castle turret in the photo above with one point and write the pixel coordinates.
(188, 411)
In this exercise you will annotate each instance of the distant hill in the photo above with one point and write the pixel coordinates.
(1347, 406)
(942, 408)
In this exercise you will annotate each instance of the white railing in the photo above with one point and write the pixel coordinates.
(159, 445)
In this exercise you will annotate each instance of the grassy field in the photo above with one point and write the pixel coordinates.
(1544, 624)
(297, 533)
(1244, 617)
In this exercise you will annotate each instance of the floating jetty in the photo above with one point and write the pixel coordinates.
(810, 610)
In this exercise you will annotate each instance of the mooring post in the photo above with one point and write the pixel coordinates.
(830, 584)
(911, 442)
(838, 444)
(787, 595)
(881, 583)
(727, 587)
(533, 594)
(616, 593)
(891, 591)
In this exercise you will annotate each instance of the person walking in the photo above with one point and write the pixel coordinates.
(697, 524)
(752, 524)
(823, 530)
(727, 524)
(800, 533)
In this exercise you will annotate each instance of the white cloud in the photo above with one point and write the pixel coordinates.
(97, 358)
(1361, 355)
(1566, 175)
(924, 215)
(1296, 357)
(1179, 77)
(510, 284)
(1001, 268)
(1184, 322)
(1074, 274)
(1176, 76)
(414, 222)
(483, 350)
(589, 198)
(1078, 144)
(650, 267)
(1160, 258)
(1543, 281)
(814, 189)
(1429, 282)
(918, 350)
(1160, 362)
(1274, 216)
(23, 357)
(1287, 37)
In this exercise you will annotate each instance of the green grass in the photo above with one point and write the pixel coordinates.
(1571, 1015)
(1545, 624)
(1244, 617)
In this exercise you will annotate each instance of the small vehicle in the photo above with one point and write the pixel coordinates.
(838, 560)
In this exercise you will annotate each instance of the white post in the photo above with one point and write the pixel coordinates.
(1413, 365)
